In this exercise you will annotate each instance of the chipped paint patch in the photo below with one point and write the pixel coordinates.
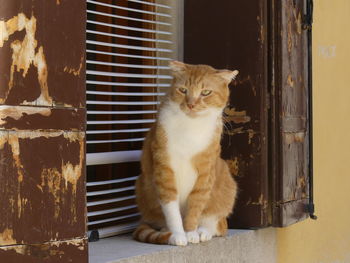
(74, 136)
(3, 139)
(23, 134)
(18, 249)
(71, 174)
(21, 203)
(16, 112)
(251, 134)
(290, 36)
(49, 250)
(80, 243)
(6, 237)
(236, 116)
(294, 137)
(52, 178)
(24, 55)
(248, 80)
(75, 72)
(233, 166)
(241, 130)
(290, 81)
(261, 201)
(14, 143)
(299, 23)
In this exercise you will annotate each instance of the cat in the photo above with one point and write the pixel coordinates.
(185, 191)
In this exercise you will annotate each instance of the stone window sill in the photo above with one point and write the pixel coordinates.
(251, 246)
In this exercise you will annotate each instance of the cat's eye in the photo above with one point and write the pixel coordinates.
(183, 90)
(205, 92)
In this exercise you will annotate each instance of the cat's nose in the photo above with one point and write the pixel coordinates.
(190, 106)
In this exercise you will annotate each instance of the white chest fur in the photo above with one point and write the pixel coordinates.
(186, 137)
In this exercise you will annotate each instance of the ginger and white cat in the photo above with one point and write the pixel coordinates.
(185, 191)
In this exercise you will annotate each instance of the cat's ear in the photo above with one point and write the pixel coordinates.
(177, 66)
(227, 75)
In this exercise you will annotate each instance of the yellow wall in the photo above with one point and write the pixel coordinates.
(327, 239)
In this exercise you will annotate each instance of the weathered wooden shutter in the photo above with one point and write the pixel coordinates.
(289, 104)
(232, 34)
(266, 129)
(42, 137)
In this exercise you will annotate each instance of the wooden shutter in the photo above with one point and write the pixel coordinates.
(42, 131)
(129, 46)
(266, 137)
(232, 34)
(290, 127)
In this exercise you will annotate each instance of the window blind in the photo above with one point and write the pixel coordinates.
(128, 44)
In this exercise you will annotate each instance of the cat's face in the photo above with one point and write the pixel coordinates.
(199, 88)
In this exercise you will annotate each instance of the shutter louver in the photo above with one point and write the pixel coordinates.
(129, 44)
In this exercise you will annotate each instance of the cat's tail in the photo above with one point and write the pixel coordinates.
(145, 233)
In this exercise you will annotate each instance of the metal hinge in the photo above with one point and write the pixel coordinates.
(308, 17)
(311, 211)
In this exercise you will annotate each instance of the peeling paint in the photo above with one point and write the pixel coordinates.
(299, 23)
(251, 134)
(289, 36)
(294, 137)
(71, 174)
(241, 130)
(261, 201)
(3, 139)
(21, 203)
(6, 237)
(14, 143)
(52, 178)
(75, 242)
(233, 166)
(75, 72)
(16, 112)
(290, 81)
(24, 55)
(18, 249)
(74, 136)
(48, 249)
(71, 135)
(68, 174)
(248, 79)
(236, 116)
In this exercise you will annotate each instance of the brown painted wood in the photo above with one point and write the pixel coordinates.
(42, 138)
(55, 27)
(41, 118)
(290, 132)
(266, 130)
(232, 34)
(51, 252)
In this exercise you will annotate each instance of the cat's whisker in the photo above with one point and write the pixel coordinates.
(227, 126)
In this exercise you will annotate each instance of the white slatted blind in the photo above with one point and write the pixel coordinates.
(129, 44)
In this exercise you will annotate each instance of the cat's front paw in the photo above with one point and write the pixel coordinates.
(178, 239)
(204, 234)
(192, 237)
